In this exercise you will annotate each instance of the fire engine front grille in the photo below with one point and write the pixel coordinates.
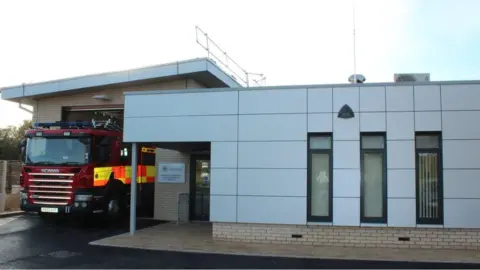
(51, 188)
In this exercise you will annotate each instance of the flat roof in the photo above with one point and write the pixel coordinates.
(203, 70)
(304, 86)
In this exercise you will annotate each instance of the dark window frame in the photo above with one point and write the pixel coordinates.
(310, 152)
(383, 151)
(440, 197)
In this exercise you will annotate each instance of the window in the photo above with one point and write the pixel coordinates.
(373, 203)
(429, 184)
(58, 150)
(319, 187)
(103, 147)
(125, 153)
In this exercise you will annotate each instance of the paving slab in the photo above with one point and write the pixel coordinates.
(11, 213)
(197, 237)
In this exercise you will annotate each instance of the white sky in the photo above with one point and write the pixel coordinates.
(292, 42)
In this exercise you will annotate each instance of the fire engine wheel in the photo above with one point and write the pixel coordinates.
(114, 208)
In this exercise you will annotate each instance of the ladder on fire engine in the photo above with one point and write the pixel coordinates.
(110, 125)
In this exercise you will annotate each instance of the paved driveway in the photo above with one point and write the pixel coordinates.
(27, 242)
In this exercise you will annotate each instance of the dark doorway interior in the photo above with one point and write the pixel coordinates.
(146, 191)
(200, 187)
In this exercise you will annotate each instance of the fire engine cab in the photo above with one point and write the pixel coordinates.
(81, 168)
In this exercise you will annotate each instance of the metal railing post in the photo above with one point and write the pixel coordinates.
(133, 190)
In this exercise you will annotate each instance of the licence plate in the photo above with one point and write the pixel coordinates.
(49, 210)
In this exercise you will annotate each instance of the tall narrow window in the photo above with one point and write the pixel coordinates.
(374, 181)
(319, 201)
(429, 183)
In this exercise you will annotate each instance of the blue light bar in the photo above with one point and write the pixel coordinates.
(79, 124)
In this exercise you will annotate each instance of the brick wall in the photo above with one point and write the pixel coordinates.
(166, 194)
(379, 237)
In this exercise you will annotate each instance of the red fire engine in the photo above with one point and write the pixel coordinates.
(81, 168)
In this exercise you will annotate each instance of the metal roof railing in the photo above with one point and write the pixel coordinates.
(215, 53)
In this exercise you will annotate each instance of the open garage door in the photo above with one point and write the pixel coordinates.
(145, 191)
(97, 112)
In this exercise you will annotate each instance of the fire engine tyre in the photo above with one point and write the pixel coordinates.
(115, 204)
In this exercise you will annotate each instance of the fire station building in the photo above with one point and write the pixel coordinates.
(369, 164)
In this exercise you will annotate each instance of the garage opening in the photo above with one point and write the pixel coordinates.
(87, 113)
(146, 152)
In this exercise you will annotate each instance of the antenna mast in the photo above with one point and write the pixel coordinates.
(354, 46)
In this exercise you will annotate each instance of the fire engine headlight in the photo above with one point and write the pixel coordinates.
(83, 198)
(23, 195)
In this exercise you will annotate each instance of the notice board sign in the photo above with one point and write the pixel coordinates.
(168, 172)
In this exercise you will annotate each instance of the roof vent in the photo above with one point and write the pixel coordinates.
(412, 77)
(360, 78)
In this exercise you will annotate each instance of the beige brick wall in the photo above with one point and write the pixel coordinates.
(50, 108)
(166, 194)
(380, 237)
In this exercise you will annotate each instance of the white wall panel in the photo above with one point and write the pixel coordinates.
(461, 97)
(181, 129)
(372, 99)
(346, 183)
(401, 183)
(202, 103)
(373, 122)
(401, 154)
(346, 129)
(461, 184)
(399, 98)
(428, 121)
(461, 213)
(320, 122)
(400, 126)
(223, 208)
(346, 211)
(401, 212)
(273, 127)
(461, 154)
(427, 98)
(280, 210)
(461, 125)
(346, 155)
(282, 155)
(346, 95)
(223, 155)
(223, 181)
(320, 100)
(272, 182)
(273, 101)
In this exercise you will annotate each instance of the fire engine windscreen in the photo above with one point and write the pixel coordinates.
(57, 151)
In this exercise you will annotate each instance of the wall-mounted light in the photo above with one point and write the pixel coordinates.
(101, 97)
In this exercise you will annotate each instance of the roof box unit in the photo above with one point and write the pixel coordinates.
(411, 77)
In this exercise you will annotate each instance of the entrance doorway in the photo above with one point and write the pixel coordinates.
(200, 187)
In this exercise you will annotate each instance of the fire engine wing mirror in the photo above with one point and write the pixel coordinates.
(23, 144)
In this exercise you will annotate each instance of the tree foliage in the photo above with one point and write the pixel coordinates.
(10, 138)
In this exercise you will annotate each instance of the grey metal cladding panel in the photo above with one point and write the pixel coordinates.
(41, 88)
(215, 70)
(152, 72)
(165, 70)
(192, 67)
(91, 81)
(12, 92)
(310, 86)
(181, 104)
